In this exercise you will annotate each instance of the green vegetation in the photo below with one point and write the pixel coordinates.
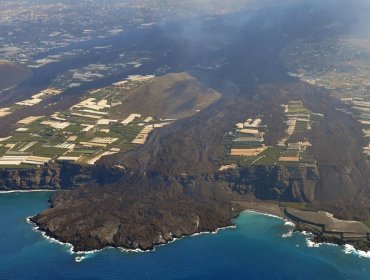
(293, 154)
(307, 158)
(77, 132)
(270, 156)
(3, 150)
(301, 126)
(21, 166)
(43, 151)
(367, 223)
(290, 153)
(297, 107)
(246, 161)
(288, 164)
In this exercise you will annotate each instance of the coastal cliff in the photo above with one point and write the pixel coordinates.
(146, 210)
(56, 176)
(171, 186)
(261, 182)
(143, 210)
(296, 184)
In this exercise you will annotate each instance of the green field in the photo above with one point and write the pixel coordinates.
(300, 127)
(297, 108)
(270, 156)
(367, 223)
(306, 158)
(288, 164)
(290, 153)
(49, 140)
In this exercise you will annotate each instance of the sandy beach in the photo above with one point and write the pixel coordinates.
(263, 207)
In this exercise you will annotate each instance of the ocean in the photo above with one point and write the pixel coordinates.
(260, 247)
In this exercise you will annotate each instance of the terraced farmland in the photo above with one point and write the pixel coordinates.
(245, 145)
(82, 134)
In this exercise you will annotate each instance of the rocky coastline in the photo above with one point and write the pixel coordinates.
(270, 208)
(130, 220)
(212, 202)
(171, 187)
(166, 240)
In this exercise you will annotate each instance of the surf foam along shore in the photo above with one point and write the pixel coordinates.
(26, 191)
(347, 248)
(264, 214)
(82, 255)
(79, 256)
(287, 221)
(50, 239)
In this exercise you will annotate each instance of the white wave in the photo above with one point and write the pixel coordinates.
(124, 250)
(91, 252)
(306, 233)
(192, 235)
(217, 230)
(81, 255)
(289, 223)
(50, 239)
(349, 249)
(330, 244)
(266, 214)
(312, 244)
(26, 191)
(80, 258)
(288, 234)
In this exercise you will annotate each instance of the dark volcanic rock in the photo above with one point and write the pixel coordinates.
(56, 176)
(274, 183)
(171, 186)
(133, 216)
(362, 245)
(172, 183)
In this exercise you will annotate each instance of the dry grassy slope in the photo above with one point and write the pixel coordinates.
(12, 74)
(176, 96)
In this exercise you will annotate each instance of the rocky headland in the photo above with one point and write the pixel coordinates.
(171, 187)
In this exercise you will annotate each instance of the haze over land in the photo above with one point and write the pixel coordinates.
(172, 116)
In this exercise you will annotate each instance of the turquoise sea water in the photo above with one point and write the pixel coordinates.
(255, 250)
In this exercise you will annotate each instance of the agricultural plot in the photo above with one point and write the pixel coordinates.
(307, 158)
(361, 108)
(297, 107)
(300, 127)
(83, 134)
(34, 100)
(245, 145)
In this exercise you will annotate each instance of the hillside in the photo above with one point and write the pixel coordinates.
(12, 74)
(117, 118)
(178, 163)
(176, 95)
